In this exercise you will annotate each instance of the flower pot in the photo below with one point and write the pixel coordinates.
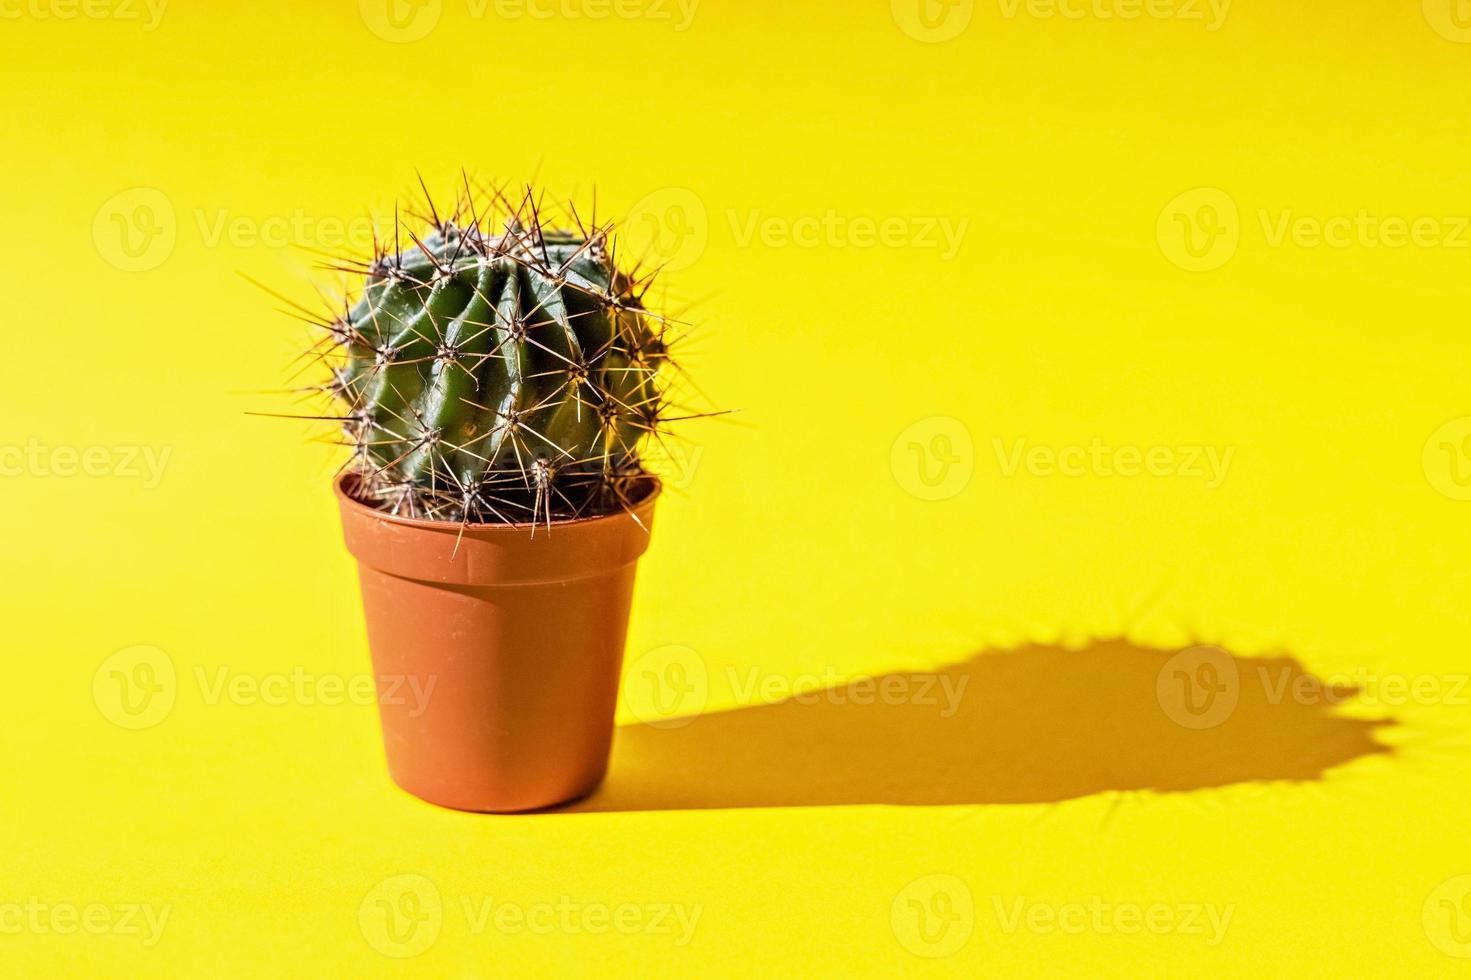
(497, 651)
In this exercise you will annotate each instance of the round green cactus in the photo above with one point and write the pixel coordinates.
(499, 377)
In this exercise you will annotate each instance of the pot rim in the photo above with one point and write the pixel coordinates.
(339, 488)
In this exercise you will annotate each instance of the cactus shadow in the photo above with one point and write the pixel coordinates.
(1038, 724)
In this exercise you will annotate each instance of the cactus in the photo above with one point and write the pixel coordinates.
(498, 376)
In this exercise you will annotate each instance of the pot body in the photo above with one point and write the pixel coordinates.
(496, 650)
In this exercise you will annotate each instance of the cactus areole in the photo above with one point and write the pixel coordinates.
(498, 378)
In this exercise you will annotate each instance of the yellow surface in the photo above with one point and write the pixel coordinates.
(924, 476)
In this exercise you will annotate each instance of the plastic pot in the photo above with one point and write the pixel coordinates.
(497, 651)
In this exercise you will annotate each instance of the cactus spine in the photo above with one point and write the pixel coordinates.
(498, 376)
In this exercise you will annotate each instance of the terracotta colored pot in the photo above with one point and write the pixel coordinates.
(521, 637)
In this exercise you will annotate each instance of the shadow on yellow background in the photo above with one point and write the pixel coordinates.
(1032, 725)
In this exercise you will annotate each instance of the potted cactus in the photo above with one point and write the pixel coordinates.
(497, 378)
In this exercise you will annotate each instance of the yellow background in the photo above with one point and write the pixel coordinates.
(799, 551)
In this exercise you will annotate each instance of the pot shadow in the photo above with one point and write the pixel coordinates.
(1037, 724)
